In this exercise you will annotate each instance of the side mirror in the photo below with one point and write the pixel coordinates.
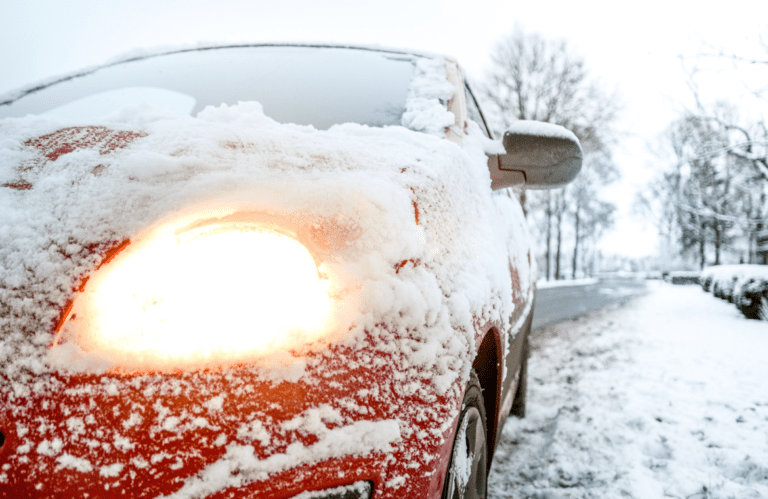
(543, 155)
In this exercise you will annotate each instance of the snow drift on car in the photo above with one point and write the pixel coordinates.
(400, 224)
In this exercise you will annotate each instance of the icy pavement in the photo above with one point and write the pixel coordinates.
(665, 397)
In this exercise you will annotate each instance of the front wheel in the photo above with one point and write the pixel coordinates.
(467, 475)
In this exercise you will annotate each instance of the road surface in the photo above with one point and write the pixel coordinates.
(567, 302)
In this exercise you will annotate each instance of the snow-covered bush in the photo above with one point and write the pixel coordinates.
(705, 278)
(764, 309)
(744, 285)
(722, 279)
(751, 292)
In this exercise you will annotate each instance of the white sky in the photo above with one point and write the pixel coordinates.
(632, 46)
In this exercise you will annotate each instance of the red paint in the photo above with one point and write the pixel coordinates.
(54, 145)
(20, 186)
(67, 140)
(338, 374)
(402, 264)
(110, 250)
(82, 396)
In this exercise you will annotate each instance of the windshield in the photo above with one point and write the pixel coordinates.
(319, 86)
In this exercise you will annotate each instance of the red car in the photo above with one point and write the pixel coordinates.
(263, 271)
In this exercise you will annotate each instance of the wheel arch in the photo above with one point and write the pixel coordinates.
(487, 366)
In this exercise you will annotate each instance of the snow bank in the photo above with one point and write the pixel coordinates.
(722, 276)
(664, 398)
(683, 277)
(744, 285)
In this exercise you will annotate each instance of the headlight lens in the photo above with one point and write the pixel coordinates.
(222, 293)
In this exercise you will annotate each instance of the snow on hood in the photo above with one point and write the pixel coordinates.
(427, 254)
(400, 221)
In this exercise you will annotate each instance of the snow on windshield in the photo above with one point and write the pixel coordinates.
(107, 103)
(318, 86)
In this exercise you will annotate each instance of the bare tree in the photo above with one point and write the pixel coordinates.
(559, 210)
(591, 216)
(547, 198)
(750, 67)
(714, 192)
(711, 201)
(534, 78)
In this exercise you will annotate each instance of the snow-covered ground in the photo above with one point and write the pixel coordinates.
(543, 283)
(665, 397)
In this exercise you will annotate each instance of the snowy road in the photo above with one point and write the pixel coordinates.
(664, 397)
(557, 303)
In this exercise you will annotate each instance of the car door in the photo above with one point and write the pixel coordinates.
(521, 276)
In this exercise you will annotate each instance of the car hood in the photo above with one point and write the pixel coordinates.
(401, 224)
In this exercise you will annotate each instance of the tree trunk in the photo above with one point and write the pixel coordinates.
(576, 240)
(718, 241)
(559, 218)
(702, 240)
(549, 234)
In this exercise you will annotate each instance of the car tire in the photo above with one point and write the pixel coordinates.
(467, 474)
(518, 405)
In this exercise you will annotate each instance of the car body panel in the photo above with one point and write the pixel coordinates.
(377, 405)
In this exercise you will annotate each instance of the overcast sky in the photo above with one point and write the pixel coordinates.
(634, 47)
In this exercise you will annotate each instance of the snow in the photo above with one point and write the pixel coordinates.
(409, 241)
(462, 460)
(142, 53)
(425, 109)
(215, 404)
(745, 285)
(663, 398)
(370, 179)
(50, 448)
(78, 464)
(543, 283)
(112, 470)
(725, 274)
(684, 273)
(541, 129)
(360, 488)
(239, 464)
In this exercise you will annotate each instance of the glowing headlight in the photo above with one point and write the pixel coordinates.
(217, 293)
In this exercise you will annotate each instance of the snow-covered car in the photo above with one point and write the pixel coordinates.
(263, 271)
